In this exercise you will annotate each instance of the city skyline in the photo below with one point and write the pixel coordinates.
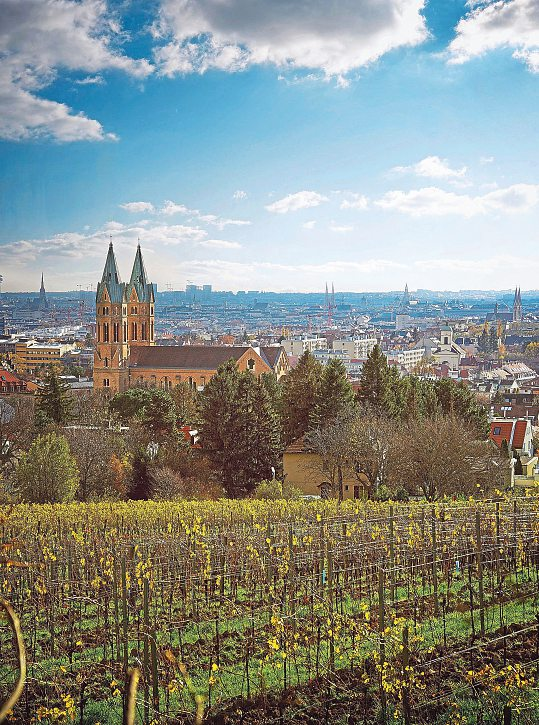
(273, 149)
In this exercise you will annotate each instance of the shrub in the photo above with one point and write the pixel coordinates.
(48, 473)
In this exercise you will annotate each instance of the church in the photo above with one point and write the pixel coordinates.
(125, 351)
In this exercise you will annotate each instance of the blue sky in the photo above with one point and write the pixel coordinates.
(271, 145)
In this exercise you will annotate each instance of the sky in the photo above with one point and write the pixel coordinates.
(271, 145)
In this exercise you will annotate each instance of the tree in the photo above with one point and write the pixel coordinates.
(152, 407)
(93, 449)
(301, 392)
(240, 430)
(186, 400)
(336, 394)
(374, 448)
(140, 488)
(54, 400)
(380, 384)
(48, 472)
(331, 443)
(437, 459)
(456, 399)
(16, 429)
(493, 339)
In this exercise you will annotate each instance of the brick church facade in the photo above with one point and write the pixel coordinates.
(125, 351)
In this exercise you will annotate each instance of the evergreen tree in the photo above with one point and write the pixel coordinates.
(48, 472)
(54, 401)
(381, 386)
(336, 394)
(504, 449)
(519, 469)
(483, 343)
(301, 392)
(374, 386)
(493, 339)
(152, 407)
(240, 430)
(219, 421)
(458, 400)
(187, 403)
(140, 485)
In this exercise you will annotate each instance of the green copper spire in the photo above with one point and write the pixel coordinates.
(139, 278)
(111, 279)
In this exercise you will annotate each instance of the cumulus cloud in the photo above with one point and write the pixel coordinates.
(136, 207)
(239, 195)
(355, 201)
(38, 40)
(309, 225)
(495, 24)
(294, 202)
(432, 167)
(204, 34)
(432, 201)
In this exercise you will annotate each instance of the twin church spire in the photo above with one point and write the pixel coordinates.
(118, 291)
(124, 320)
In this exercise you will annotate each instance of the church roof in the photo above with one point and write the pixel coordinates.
(111, 280)
(139, 279)
(186, 357)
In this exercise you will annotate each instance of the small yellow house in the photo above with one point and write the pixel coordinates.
(305, 470)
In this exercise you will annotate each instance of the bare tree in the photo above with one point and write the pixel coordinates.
(93, 449)
(374, 443)
(435, 457)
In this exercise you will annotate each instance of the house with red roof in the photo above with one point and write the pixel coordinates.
(517, 432)
(11, 383)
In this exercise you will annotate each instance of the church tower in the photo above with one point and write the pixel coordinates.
(111, 347)
(140, 305)
(43, 302)
(517, 306)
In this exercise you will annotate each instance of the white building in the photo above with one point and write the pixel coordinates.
(296, 346)
(448, 352)
(408, 358)
(357, 348)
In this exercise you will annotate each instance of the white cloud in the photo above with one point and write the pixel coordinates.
(355, 201)
(239, 194)
(38, 40)
(91, 81)
(432, 167)
(294, 202)
(136, 207)
(340, 228)
(309, 225)
(231, 35)
(170, 208)
(495, 24)
(432, 201)
(219, 244)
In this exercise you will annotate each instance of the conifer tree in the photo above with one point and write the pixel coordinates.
(54, 400)
(375, 387)
(301, 392)
(140, 485)
(336, 394)
(240, 430)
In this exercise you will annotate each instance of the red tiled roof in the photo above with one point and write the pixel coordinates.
(186, 357)
(7, 377)
(513, 431)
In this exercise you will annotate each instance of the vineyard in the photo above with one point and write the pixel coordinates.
(273, 612)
